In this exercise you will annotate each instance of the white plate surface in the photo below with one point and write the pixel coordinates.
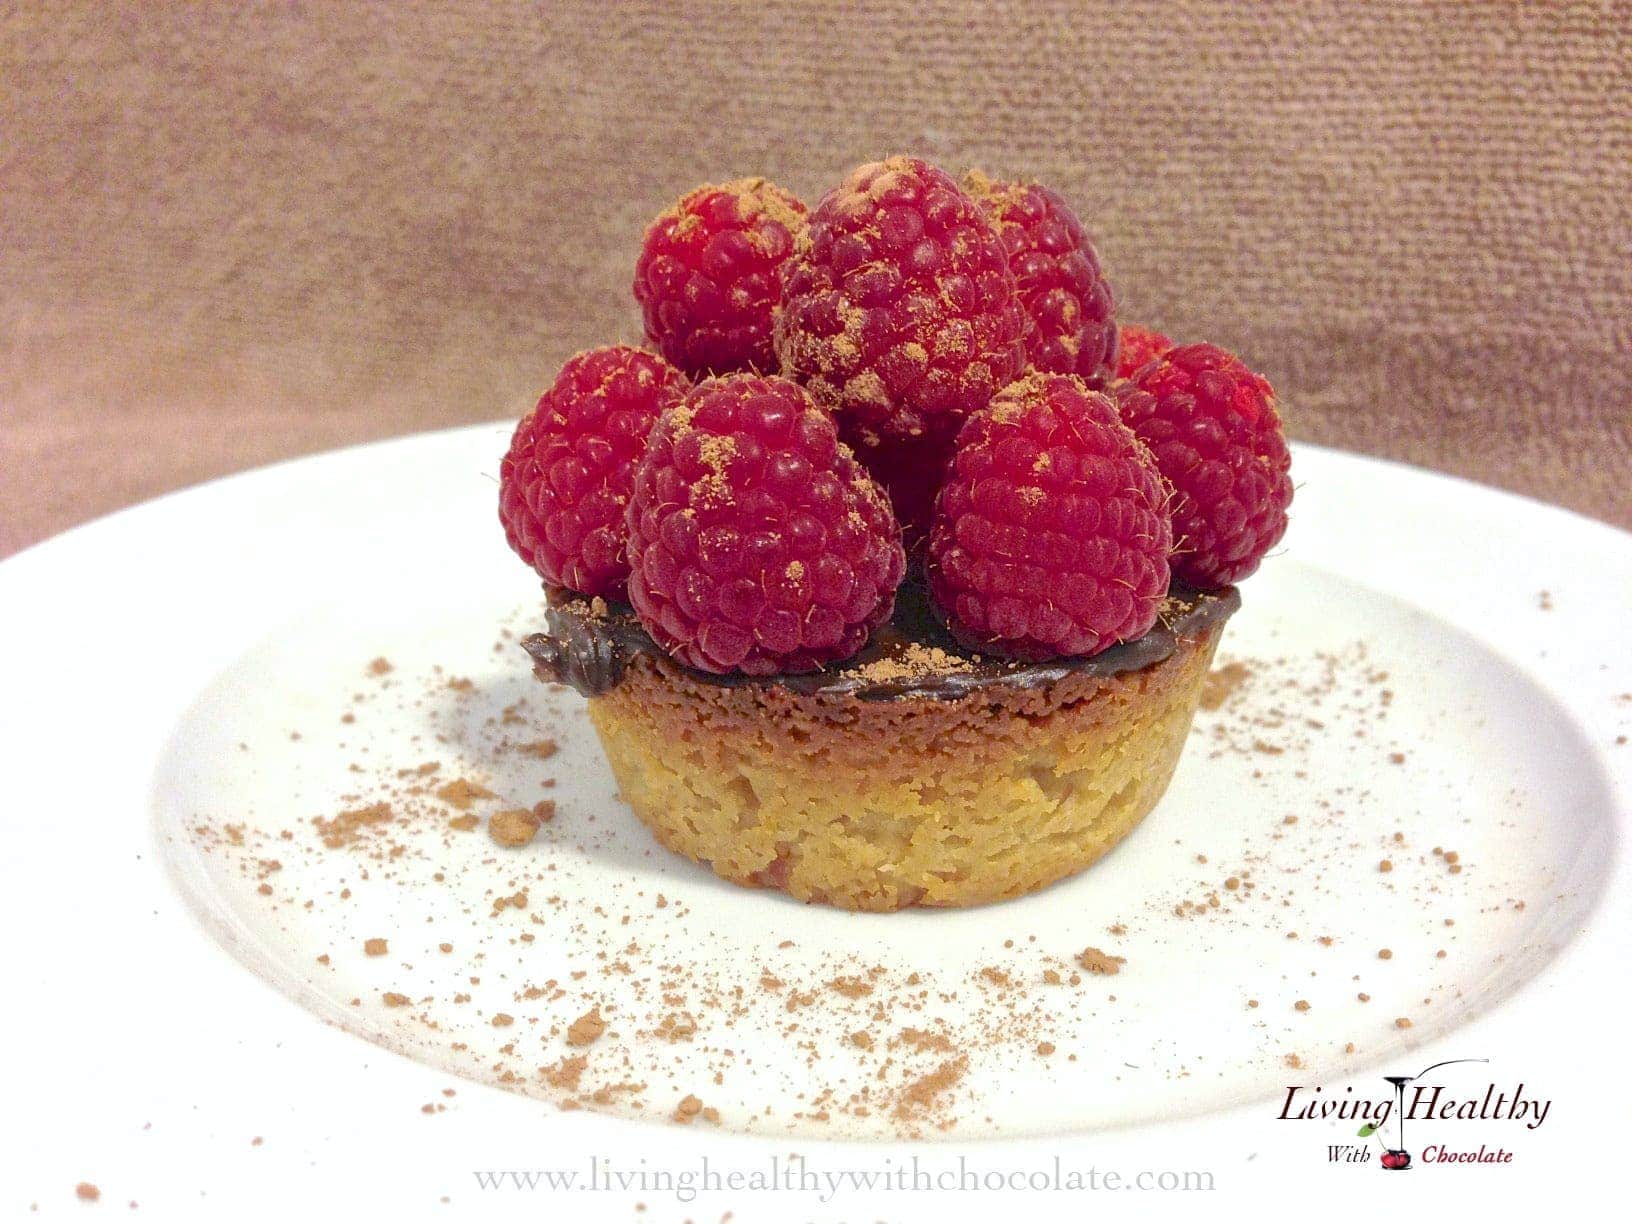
(1432, 674)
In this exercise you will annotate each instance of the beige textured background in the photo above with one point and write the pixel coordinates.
(234, 233)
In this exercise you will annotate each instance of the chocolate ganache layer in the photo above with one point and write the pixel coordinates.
(590, 642)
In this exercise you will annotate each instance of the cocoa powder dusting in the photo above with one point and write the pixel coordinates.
(875, 1043)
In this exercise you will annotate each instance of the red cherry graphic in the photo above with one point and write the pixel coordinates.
(1396, 1158)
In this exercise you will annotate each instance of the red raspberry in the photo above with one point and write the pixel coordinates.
(899, 311)
(1051, 535)
(1067, 300)
(757, 542)
(1140, 346)
(1212, 425)
(565, 481)
(709, 277)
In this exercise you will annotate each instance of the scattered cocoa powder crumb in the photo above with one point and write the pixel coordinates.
(1101, 963)
(921, 1039)
(464, 823)
(1221, 684)
(1364, 997)
(374, 947)
(1385, 953)
(1051, 977)
(392, 999)
(1252, 1002)
(503, 1020)
(1349, 1048)
(1402, 1022)
(688, 1109)
(1397, 758)
(513, 827)
(1385, 865)
(543, 749)
(87, 1192)
(513, 901)
(380, 667)
(1293, 1061)
(862, 1038)
(1045, 1048)
(1233, 883)
(462, 793)
(1302, 1005)
(675, 1027)
(348, 827)
(566, 1073)
(587, 1028)
(915, 661)
(921, 1094)
(444, 947)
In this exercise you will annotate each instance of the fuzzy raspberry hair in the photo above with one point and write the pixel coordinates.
(899, 309)
(1069, 305)
(565, 481)
(757, 542)
(709, 277)
(1051, 535)
(1214, 430)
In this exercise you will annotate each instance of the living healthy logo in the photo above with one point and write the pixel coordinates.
(1420, 1100)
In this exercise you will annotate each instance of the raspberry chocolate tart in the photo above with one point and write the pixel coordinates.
(727, 584)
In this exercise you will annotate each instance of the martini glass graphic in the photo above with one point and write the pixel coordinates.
(1398, 1158)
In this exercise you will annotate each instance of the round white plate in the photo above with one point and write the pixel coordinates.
(1430, 674)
